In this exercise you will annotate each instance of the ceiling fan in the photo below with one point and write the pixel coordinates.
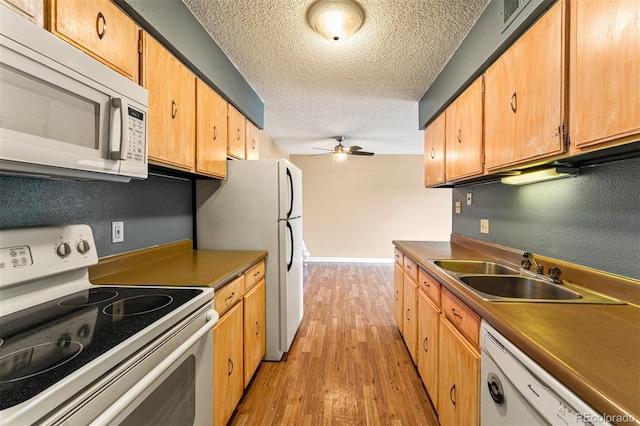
(342, 151)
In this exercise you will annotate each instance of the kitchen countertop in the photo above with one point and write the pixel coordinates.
(175, 265)
(594, 350)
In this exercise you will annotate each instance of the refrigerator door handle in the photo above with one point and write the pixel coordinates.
(290, 261)
(290, 193)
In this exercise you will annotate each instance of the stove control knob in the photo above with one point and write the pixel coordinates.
(63, 250)
(83, 246)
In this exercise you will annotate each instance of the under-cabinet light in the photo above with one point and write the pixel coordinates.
(540, 175)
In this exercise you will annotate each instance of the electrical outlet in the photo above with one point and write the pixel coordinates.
(458, 207)
(469, 198)
(117, 232)
(484, 226)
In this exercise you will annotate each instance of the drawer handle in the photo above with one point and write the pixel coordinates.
(514, 102)
(459, 136)
(455, 314)
(174, 109)
(215, 133)
(230, 366)
(226, 300)
(257, 328)
(101, 29)
(452, 394)
(256, 275)
(424, 344)
(428, 286)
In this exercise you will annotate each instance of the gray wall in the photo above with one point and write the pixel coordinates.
(592, 219)
(154, 211)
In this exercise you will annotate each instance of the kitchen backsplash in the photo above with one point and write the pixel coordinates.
(592, 219)
(154, 211)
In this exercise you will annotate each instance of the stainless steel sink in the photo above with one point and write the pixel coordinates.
(517, 287)
(475, 267)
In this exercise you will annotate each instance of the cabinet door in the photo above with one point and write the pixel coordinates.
(236, 147)
(428, 319)
(524, 102)
(434, 152)
(172, 104)
(459, 382)
(398, 295)
(211, 138)
(605, 70)
(464, 134)
(254, 331)
(228, 377)
(410, 320)
(251, 135)
(101, 29)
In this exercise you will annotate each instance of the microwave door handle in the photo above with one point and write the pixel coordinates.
(119, 143)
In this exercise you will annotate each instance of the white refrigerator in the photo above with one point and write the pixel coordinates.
(259, 207)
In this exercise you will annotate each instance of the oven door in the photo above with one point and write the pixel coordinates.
(168, 383)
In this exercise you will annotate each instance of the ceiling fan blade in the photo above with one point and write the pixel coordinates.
(323, 149)
(353, 148)
(368, 154)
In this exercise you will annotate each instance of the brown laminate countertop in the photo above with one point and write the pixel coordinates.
(186, 268)
(594, 350)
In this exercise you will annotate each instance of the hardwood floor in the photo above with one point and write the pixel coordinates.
(348, 364)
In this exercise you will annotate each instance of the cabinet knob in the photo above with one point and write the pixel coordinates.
(514, 102)
(101, 25)
(174, 109)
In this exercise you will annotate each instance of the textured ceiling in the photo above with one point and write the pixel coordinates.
(366, 88)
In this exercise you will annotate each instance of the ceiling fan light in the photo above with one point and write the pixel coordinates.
(335, 20)
(340, 156)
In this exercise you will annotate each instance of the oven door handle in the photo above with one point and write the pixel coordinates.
(108, 416)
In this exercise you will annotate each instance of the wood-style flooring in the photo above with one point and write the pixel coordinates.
(348, 364)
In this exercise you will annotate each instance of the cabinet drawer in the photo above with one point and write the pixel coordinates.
(254, 275)
(429, 285)
(460, 315)
(228, 295)
(398, 256)
(411, 268)
(101, 29)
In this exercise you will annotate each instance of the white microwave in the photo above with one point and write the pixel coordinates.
(64, 114)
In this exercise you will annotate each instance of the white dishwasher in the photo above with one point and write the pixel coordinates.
(517, 391)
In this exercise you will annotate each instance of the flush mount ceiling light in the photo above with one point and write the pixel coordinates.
(335, 19)
(540, 175)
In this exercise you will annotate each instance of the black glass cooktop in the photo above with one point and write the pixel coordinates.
(41, 345)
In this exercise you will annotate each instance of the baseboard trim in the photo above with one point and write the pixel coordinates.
(350, 260)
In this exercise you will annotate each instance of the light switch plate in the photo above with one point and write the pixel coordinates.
(117, 232)
(458, 207)
(469, 198)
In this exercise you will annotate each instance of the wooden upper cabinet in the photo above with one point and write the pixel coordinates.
(99, 28)
(251, 134)
(604, 72)
(524, 95)
(464, 134)
(211, 136)
(434, 152)
(172, 104)
(236, 147)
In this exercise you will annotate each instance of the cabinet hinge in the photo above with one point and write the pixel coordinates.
(562, 133)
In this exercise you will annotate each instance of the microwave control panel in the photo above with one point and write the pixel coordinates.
(136, 144)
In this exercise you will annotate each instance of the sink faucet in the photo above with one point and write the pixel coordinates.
(528, 261)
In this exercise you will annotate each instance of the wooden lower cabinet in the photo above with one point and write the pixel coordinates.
(254, 330)
(459, 381)
(228, 378)
(410, 316)
(428, 345)
(398, 294)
